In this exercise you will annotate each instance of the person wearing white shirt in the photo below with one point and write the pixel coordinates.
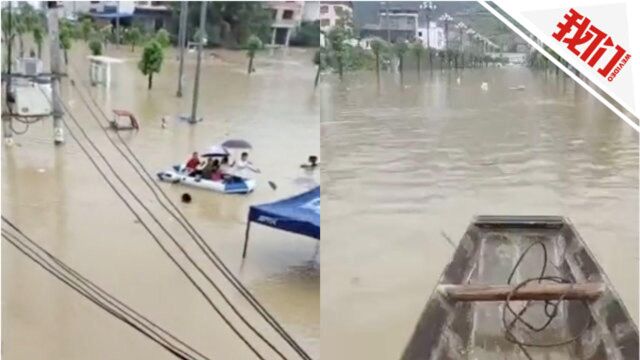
(243, 166)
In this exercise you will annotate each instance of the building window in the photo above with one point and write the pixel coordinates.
(420, 33)
(338, 10)
(287, 15)
(324, 9)
(325, 22)
(274, 14)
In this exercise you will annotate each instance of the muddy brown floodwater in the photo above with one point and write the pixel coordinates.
(408, 166)
(58, 199)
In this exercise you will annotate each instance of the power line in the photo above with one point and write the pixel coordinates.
(187, 226)
(95, 287)
(97, 295)
(154, 236)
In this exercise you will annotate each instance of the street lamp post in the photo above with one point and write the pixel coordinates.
(461, 28)
(427, 7)
(470, 33)
(446, 18)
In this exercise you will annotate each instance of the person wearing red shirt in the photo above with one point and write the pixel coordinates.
(192, 163)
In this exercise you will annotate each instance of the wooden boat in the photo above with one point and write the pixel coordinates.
(569, 302)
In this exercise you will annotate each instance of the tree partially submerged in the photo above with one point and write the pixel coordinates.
(418, 51)
(378, 46)
(86, 28)
(163, 38)
(133, 37)
(253, 44)
(151, 61)
(66, 35)
(336, 41)
(95, 45)
(400, 48)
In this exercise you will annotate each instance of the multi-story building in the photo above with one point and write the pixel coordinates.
(393, 25)
(433, 37)
(150, 15)
(287, 16)
(332, 12)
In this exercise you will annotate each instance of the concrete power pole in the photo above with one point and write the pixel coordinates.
(182, 39)
(52, 14)
(196, 86)
(6, 119)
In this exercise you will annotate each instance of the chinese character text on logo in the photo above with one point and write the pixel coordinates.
(591, 44)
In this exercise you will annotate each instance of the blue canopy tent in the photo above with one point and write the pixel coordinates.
(299, 214)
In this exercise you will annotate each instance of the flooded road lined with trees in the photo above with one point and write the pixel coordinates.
(59, 200)
(409, 164)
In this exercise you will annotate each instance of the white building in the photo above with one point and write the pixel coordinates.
(436, 36)
(73, 8)
(332, 12)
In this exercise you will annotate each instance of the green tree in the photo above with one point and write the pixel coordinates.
(253, 44)
(400, 48)
(20, 27)
(86, 28)
(95, 45)
(28, 20)
(336, 39)
(418, 50)
(106, 35)
(133, 37)
(151, 61)
(163, 38)
(229, 23)
(38, 38)
(66, 36)
(378, 46)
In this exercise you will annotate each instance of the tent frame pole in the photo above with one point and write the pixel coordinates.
(246, 240)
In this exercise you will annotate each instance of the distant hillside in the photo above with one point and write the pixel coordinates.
(469, 12)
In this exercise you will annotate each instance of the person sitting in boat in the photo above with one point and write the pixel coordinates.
(217, 174)
(192, 164)
(209, 168)
(312, 164)
(225, 167)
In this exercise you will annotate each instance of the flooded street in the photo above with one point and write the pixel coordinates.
(408, 166)
(59, 200)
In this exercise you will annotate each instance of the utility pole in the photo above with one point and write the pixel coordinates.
(58, 131)
(196, 85)
(6, 119)
(428, 7)
(182, 39)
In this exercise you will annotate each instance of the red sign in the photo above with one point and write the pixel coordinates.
(591, 44)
